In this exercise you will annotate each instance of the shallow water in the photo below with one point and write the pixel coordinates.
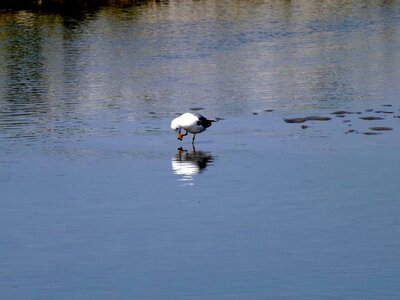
(98, 202)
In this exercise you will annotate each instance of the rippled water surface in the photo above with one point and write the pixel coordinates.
(100, 201)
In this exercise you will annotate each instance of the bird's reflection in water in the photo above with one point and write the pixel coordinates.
(187, 164)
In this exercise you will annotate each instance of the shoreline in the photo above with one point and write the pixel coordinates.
(64, 5)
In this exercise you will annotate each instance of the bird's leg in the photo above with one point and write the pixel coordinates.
(194, 136)
(180, 135)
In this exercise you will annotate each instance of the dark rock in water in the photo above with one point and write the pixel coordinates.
(346, 121)
(304, 126)
(268, 110)
(343, 112)
(317, 118)
(380, 128)
(340, 116)
(371, 118)
(371, 133)
(197, 108)
(255, 113)
(310, 118)
(350, 131)
(339, 112)
(387, 105)
(369, 110)
(383, 112)
(295, 120)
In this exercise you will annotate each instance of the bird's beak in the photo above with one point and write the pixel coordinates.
(180, 136)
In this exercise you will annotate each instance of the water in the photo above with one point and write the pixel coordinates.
(98, 202)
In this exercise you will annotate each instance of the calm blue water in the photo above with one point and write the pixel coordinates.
(97, 202)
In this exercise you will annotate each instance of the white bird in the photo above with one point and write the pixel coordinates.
(192, 123)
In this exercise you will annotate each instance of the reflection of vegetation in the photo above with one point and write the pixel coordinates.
(66, 5)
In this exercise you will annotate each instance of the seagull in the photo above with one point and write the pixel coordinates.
(192, 123)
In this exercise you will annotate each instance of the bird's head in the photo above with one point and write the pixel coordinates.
(175, 126)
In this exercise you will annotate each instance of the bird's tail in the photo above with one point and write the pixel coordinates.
(217, 119)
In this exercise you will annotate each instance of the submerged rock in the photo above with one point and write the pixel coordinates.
(339, 112)
(344, 112)
(310, 118)
(350, 131)
(380, 128)
(295, 120)
(317, 118)
(371, 133)
(371, 118)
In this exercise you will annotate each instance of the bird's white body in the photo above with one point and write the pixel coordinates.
(192, 123)
(187, 122)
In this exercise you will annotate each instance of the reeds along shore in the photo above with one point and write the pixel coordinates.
(61, 4)
(48, 4)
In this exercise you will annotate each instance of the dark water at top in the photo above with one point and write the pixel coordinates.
(98, 203)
